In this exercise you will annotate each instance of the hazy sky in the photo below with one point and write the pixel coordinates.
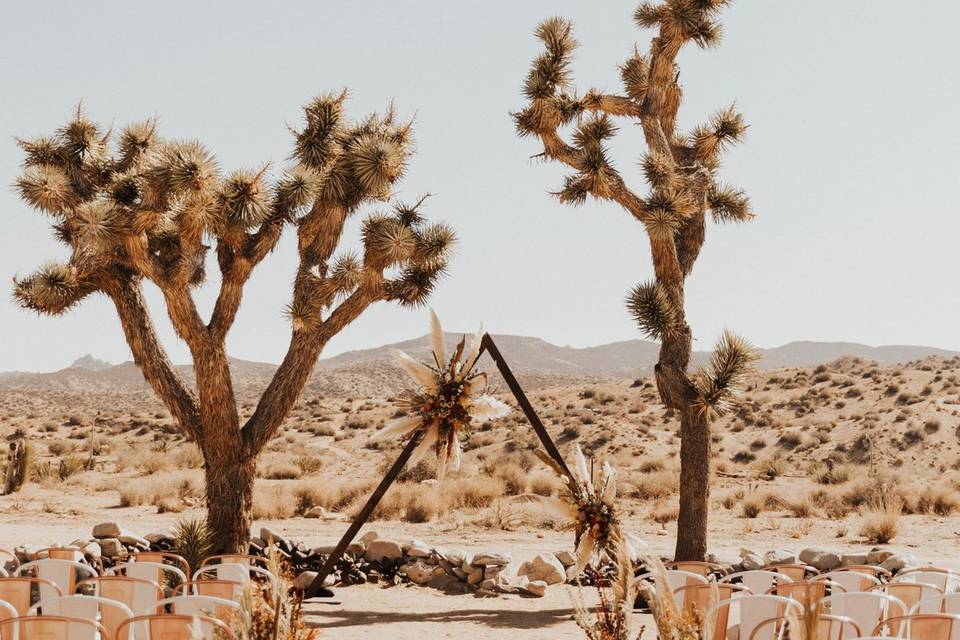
(851, 159)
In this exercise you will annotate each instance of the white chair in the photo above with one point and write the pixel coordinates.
(759, 580)
(676, 579)
(107, 612)
(909, 593)
(236, 572)
(218, 608)
(152, 571)
(944, 579)
(940, 603)
(753, 611)
(867, 608)
(63, 573)
(851, 581)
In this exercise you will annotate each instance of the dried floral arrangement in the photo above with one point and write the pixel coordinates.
(610, 618)
(587, 506)
(450, 396)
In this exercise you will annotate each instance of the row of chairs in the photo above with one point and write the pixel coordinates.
(852, 602)
(147, 598)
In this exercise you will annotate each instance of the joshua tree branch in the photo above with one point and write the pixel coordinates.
(185, 317)
(150, 355)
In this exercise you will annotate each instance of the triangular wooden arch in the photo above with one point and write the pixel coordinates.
(487, 345)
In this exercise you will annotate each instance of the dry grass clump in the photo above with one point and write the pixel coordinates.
(331, 494)
(542, 483)
(169, 491)
(881, 522)
(657, 485)
(281, 471)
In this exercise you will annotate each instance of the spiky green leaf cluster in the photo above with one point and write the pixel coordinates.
(654, 311)
(53, 289)
(718, 385)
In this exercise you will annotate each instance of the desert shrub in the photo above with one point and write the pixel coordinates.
(425, 469)
(308, 464)
(514, 478)
(272, 503)
(59, 447)
(752, 506)
(281, 471)
(188, 457)
(801, 507)
(193, 540)
(771, 468)
(69, 466)
(790, 440)
(664, 512)
(542, 483)
(423, 504)
(881, 522)
(650, 465)
(743, 457)
(473, 493)
(830, 474)
(931, 426)
(570, 432)
(653, 486)
(332, 494)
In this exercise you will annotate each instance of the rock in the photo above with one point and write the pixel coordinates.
(111, 547)
(323, 550)
(159, 537)
(369, 537)
(305, 579)
(779, 556)
(457, 571)
(849, 559)
(566, 558)
(92, 550)
(877, 555)
(536, 588)
(417, 572)
(270, 535)
(492, 572)
(820, 559)
(126, 537)
(750, 560)
(488, 585)
(315, 512)
(475, 577)
(492, 559)
(383, 550)
(418, 549)
(455, 558)
(106, 530)
(899, 562)
(545, 567)
(26, 553)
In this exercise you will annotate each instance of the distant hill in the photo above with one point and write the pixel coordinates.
(371, 372)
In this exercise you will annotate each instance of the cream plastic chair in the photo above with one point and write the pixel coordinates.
(909, 593)
(923, 626)
(806, 592)
(163, 557)
(869, 569)
(675, 580)
(50, 628)
(236, 572)
(63, 573)
(797, 571)
(867, 608)
(18, 591)
(136, 593)
(758, 581)
(226, 589)
(106, 611)
(173, 627)
(944, 579)
(698, 598)
(851, 581)
(700, 568)
(829, 627)
(236, 558)
(752, 611)
(157, 572)
(940, 603)
(218, 608)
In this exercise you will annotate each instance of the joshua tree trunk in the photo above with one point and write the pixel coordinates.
(144, 211)
(694, 485)
(230, 500)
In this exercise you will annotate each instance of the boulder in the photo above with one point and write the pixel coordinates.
(544, 567)
(820, 559)
(536, 588)
(269, 535)
(417, 572)
(106, 530)
(92, 550)
(315, 512)
(848, 559)
(454, 557)
(475, 577)
(779, 556)
(492, 559)
(126, 537)
(878, 554)
(417, 549)
(383, 550)
(750, 560)
(305, 579)
(369, 537)
(566, 558)
(899, 562)
(159, 537)
(111, 547)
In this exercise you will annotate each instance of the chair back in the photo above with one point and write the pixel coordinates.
(806, 593)
(940, 603)
(109, 613)
(236, 572)
(51, 628)
(226, 589)
(944, 579)
(6, 613)
(18, 591)
(236, 558)
(73, 554)
(699, 598)
(866, 608)
(63, 573)
(164, 575)
(796, 571)
(869, 569)
(910, 593)
(163, 557)
(218, 608)
(753, 610)
(829, 627)
(758, 581)
(173, 627)
(851, 581)
(136, 593)
(922, 626)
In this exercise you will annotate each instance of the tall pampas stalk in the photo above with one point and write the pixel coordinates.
(610, 619)
(449, 397)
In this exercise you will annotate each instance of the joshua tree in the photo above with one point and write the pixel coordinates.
(145, 208)
(680, 169)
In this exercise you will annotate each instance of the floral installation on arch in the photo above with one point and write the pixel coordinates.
(449, 397)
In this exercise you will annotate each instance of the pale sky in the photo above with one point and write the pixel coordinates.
(851, 159)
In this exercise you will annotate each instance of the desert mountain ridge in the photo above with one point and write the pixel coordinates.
(373, 369)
